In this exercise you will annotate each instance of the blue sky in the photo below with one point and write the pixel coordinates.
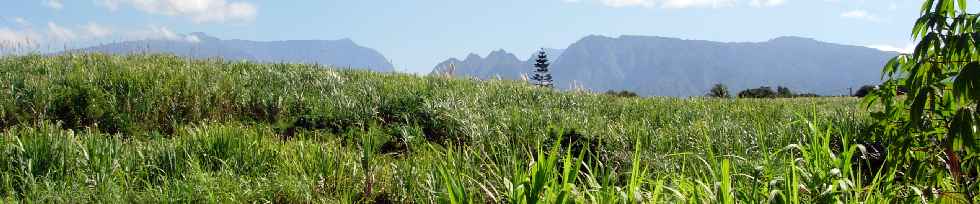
(417, 34)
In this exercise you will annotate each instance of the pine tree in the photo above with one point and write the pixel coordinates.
(542, 76)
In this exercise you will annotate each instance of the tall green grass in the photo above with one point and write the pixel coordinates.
(159, 128)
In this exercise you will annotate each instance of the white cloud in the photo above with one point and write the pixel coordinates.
(883, 47)
(627, 3)
(154, 33)
(112, 5)
(680, 3)
(94, 30)
(198, 11)
(28, 37)
(192, 38)
(61, 34)
(860, 15)
(10, 37)
(766, 3)
(55, 4)
(162, 33)
(21, 22)
(697, 3)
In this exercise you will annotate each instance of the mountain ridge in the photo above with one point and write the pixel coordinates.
(340, 53)
(665, 66)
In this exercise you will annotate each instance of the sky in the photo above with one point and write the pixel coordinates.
(415, 35)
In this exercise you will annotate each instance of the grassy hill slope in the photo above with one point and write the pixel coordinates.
(152, 128)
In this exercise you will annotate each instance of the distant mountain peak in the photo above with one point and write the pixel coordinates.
(498, 52)
(594, 38)
(501, 55)
(472, 56)
(346, 41)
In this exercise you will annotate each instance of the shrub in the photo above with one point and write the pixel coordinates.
(623, 93)
(864, 91)
(761, 92)
(783, 92)
(718, 91)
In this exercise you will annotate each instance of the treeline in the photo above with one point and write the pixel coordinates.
(721, 91)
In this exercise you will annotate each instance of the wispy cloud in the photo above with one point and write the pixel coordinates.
(679, 4)
(154, 32)
(198, 11)
(883, 47)
(627, 3)
(60, 34)
(54, 4)
(697, 3)
(766, 3)
(860, 15)
(20, 21)
(94, 30)
(112, 5)
(52, 34)
(10, 37)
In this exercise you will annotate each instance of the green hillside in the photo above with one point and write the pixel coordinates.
(158, 128)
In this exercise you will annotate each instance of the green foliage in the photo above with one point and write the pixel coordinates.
(807, 95)
(864, 91)
(767, 92)
(718, 91)
(932, 132)
(542, 75)
(761, 92)
(623, 94)
(783, 92)
(192, 131)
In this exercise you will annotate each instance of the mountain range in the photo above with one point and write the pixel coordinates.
(649, 66)
(338, 53)
(660, 66)
(498, 64)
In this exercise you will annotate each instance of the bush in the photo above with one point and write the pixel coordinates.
(718, 91)
(623, 93)
(761, 92)
(864, 90)
(783, 92)
(767, 92)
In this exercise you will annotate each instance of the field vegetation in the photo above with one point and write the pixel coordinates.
(159, 128)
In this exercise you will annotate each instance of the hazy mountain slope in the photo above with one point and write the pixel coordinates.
(676, 67)
(342, 53)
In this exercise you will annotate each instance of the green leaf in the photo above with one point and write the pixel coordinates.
(894, 65)
(963, 128)
(919, 29)
(726, 183)
(918, 106)
(926, 6)
(922, 49)
(967, 83)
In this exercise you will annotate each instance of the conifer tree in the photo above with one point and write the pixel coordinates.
(542, 76)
